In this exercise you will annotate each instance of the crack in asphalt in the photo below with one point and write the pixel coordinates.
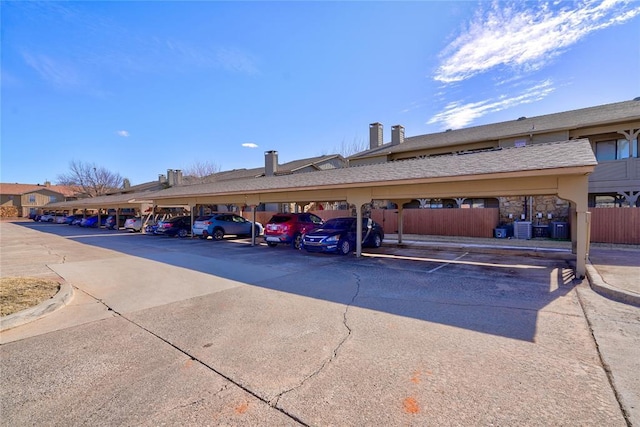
(334, 354)
(209, 367)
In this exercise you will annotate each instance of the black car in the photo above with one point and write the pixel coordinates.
(177, 226)
(339, 235)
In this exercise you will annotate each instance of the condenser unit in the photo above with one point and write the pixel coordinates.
(559, 230)
(522, 230)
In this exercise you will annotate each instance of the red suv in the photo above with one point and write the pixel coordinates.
(289, 228)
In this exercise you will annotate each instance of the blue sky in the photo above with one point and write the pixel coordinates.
(142, 87)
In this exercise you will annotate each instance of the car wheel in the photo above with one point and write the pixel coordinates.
(296, 243)
(344, 247)
(218, 234)
(272, 244)
(182, 233)
(376, 242)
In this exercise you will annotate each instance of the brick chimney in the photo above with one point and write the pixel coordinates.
(270, 163)
(376, 137)
(162, 179)
(171, 180)
(397, 134)
(177, 176)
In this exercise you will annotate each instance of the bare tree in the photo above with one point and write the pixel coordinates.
(90, 179)
(201, 169)
(347, 149)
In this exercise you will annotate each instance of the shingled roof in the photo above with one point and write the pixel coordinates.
(19, 189)
(567, 120)
(532, 158)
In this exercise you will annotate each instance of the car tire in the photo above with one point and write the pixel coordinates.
(272, 244)
(344, 247)
(296, 242)
(218, 234)
(376, 241)
(182, 233)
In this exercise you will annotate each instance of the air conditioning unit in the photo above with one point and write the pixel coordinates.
(559, 230)
(522, 230)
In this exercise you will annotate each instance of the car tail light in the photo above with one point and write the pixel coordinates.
(207, 223)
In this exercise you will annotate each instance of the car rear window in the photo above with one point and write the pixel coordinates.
(279, 219)
(204, 218)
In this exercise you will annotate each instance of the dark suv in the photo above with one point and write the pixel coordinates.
(289, 227)
(177, 226)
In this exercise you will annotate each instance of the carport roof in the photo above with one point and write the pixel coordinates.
(525, 161)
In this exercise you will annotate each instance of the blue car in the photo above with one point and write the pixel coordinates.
(92, 221)
(339, 235)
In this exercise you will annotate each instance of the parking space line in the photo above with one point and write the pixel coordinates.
(444, 265)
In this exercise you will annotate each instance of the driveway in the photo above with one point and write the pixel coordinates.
(194, 332)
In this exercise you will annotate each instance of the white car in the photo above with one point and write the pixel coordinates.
(60, 219)
(46, 218)
(135, 224)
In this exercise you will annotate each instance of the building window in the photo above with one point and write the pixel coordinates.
(32, 198)
(615, 149)
(53, 199)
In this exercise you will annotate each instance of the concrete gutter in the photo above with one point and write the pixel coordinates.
(59, 300)
(488, 249)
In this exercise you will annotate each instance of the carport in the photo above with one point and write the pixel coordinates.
(116, 202)
(559, 168)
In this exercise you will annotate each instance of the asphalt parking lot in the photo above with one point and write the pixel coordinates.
(195, 332)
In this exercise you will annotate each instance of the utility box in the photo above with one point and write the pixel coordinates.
(559, 230)
(522, 230)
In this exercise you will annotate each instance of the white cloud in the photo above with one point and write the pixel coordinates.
(457, 115)
(250, 145)
(52, 70)
(123, 133)
(526, 34)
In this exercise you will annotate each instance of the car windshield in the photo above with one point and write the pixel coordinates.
(279, 219)
(338, 224)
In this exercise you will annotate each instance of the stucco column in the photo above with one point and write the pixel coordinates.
(192, 208)
(400, 203)
(253, 226)
(358, 198)
(575, 189)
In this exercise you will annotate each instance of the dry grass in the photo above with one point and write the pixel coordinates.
(20, 293)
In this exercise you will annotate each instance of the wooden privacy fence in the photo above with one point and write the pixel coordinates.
(608, 225)
(440, 222)
(615, 225)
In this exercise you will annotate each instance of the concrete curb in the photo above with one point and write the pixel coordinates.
(603, 288)
(59, 300)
